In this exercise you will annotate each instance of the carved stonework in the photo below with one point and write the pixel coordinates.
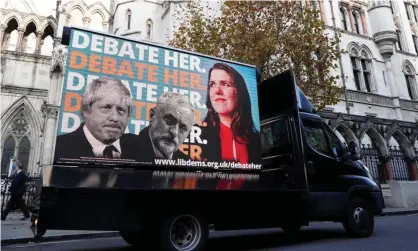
(379, 131)
(15, 55)
(59, 58)
(50, 111)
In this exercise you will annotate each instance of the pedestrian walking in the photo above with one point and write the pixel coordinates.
(17, 190)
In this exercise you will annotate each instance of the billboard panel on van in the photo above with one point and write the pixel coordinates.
(133, 103)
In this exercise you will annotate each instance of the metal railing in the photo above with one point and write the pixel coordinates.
(28, 196)
(370, 158)
(398, 164)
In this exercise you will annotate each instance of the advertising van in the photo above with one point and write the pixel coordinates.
(159, 143)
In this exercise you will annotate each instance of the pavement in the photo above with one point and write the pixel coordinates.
(391, 233)
(14, 231)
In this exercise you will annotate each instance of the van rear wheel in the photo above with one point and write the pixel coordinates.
(359, 221)
(184, 232)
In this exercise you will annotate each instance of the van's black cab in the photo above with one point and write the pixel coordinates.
(293, 135)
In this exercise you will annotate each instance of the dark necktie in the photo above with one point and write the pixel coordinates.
(108, 151)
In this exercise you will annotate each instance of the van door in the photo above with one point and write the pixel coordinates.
(281, 165)
(323, 168)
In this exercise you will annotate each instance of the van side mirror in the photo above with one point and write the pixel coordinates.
(353, 151)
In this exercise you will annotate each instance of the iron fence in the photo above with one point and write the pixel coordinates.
(398, 164)
(370, 158)
(28, 196)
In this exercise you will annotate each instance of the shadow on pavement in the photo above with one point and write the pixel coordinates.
(262, 241)
(274, 240)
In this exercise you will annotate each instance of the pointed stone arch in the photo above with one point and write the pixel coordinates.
(47, 23)
(12, 15)
(77, 4)
(353, 45)
(29, 19)
(403, 141)
(377, 139)
(367, 50)
(344, 129)
(21, 120)
(407, 64)
(100, 9)
(22, 104)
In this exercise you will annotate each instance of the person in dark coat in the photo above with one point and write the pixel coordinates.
(171, 121)
(17, 190)
(106, 108)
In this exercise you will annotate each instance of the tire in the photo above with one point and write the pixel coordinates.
(184, 232)
(359, 221)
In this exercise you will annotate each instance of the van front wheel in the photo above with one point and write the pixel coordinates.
(184, 232)
(359, 221)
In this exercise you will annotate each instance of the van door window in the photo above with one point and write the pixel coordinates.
(315, 136)
(274, 135)
(334, 141)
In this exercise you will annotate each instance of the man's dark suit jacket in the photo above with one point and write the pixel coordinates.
(18, 186)
(75, 145)
(146, 151)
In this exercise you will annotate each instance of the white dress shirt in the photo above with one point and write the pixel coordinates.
(98, 147)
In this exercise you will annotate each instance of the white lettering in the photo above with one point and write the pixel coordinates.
(184, 61)
(76, 40)
(66, 118)
(126, 50)
(141, 52)
(96, 43)
(153, 55)
(111, 46)
(195, 64)
(173, 58)
(75, 81)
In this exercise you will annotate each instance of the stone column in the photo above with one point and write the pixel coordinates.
(86, 22)
(391, 82)
(364, 23)
(23, 44)
(412, 167)
(5, 41)
(106, 26)
(50, 110)
(67, 19)
(51, 115)
(20, 39)
(386, 168)
(2, 29)
(350, 14)
(321, 8)
(38, 42)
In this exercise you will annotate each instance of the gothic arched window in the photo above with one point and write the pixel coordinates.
(8, 153)
(149, 29)
(17, 144)
(343, 18)
(356, 19)
(361, 62)
(411, 83)
(24, 152)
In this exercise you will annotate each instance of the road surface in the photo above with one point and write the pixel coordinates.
(392, 233)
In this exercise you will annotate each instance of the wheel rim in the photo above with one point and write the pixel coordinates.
(361, 217)
(185, 232)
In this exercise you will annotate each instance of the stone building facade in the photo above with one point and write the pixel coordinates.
(378, 109)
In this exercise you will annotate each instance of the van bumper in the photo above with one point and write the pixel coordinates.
(379, 203)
